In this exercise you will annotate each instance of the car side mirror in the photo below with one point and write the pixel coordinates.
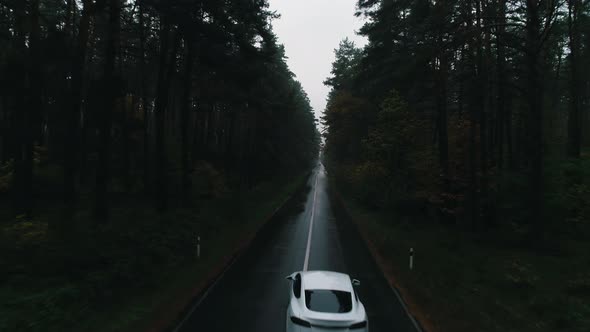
(356, 282)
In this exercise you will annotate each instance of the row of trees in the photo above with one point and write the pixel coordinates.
(126, 94)
(487, 96)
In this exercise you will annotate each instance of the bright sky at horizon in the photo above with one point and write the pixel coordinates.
(310, 31)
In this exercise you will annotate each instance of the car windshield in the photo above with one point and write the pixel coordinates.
(324, 300)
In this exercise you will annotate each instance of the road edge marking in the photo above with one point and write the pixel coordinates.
(417, 326)
(228, 266)
(204, 296)
(308, 248)
(373, 254)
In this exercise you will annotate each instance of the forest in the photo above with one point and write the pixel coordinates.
(137, 92)
(474, 110)
(125, 127)
(133, 130)
(464, 124)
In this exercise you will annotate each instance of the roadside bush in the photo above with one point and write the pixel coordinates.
(6, 176)
(568, 194)
(371, 189)
(59, 308)
(210, 182)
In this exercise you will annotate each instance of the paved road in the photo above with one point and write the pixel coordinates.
(253, 294)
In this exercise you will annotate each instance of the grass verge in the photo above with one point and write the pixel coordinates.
(134, 274)
(465, 281)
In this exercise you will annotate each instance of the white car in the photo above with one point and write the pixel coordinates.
(325, 301)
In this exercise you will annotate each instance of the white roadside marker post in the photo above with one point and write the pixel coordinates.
(411, 258)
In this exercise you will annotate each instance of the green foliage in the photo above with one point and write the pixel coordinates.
(6, 176)
(240, 109)
(569, 194)
(346, 118)
(511, 186)
(208, 181)
(471, 139)
(109, 277)
(481, 281)
(345, 67)
(393, 134)
(459, 132)
(395, 158)
(23, 233)
(390, 143)
(370, 181)
(235, 124)
(59, 307)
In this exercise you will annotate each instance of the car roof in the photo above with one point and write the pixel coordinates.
(326, 280)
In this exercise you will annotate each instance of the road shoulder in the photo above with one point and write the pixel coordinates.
(171, 316)
(420, 321)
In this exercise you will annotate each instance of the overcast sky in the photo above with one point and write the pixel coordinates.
(310, 31)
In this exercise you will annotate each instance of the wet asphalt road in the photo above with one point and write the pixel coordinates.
(253, 294)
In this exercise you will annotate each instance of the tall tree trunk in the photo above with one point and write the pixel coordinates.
(4, 129)
(501, 75)
(110, 82)
(72, 137)
(443, 139)
(441, 99)
(574, 131)
(230, 151)
(127, 109)
(535, 112)
(19, 125)
(69, 19)
(186, 107)
(32, 116)
(473, 199)
(483, 104)
(210, 136)
(5, 14)
(144, 100)
(509, 140)
(25, 108)
(461, 96)
(160, 110)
